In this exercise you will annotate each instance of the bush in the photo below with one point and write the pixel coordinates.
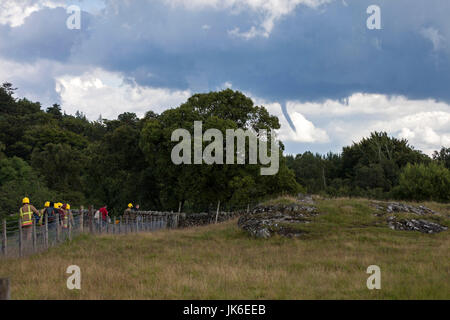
(18, 180)
(424, 182)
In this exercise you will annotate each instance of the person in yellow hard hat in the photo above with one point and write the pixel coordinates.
(127, 212)
(40, 219)
(26, 212)
(62, 213)
(66, 217)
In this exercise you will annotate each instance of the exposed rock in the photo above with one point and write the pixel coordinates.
(415, 225)
(265, 221)
(397, 223)
(393, 207)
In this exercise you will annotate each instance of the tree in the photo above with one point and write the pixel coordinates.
(55, 111)
(17, 180)
(443, 157)
(205, 184)
(382, 155)
(424, 182)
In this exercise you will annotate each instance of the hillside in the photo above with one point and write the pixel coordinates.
(327, 261)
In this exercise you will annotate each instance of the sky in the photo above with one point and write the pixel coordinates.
(313, 63)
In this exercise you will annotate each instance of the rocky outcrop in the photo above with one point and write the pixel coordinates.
(266, 221)
(415, 225)
(404, 224)
(393, 207)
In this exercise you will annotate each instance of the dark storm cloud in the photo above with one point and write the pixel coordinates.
(311, 54)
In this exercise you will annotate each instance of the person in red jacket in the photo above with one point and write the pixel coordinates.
(104, 211)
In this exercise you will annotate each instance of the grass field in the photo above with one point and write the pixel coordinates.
(221, 262)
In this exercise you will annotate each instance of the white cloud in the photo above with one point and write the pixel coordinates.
(270, 11)
(34, 80)
(253, 32)
(15, 12)
(100, 92)
(425, 123)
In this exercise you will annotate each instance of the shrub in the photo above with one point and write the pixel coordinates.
(424, 182)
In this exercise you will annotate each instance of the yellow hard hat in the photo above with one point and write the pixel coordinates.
(68, 206)
(130, 205)
(47, 204)
(26, 200)
(58, 205)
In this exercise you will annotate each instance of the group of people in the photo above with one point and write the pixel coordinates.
(103, 215)
(130, 211)
(59, 214)
(51, 212)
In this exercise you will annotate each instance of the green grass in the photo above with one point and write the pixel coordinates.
(328, 261)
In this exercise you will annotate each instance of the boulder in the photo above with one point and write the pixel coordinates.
(266, 221)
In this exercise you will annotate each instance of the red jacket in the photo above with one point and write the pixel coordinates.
(104, 213)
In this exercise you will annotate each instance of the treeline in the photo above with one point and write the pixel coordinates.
(48, 155)
(379, 167)
(51, 156)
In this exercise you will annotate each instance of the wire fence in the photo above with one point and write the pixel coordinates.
(20, 241)
(17, 241)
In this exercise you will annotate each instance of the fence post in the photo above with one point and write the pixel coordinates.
(112, 225)
(91, 220)
(137, 223)
(126, 225)
(20, 238)
(34, 235)
(57, 227)
(248, 208)
(46, 232)
(5, 292)
(120, 225)
(217, 213)
(69, 225)
(81, 219)
(4, 239)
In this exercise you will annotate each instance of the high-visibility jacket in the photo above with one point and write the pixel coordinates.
(66, 220)
(27, 217)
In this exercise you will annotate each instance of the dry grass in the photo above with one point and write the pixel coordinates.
(221, 262)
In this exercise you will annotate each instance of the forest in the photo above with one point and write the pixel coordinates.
(49, 155)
